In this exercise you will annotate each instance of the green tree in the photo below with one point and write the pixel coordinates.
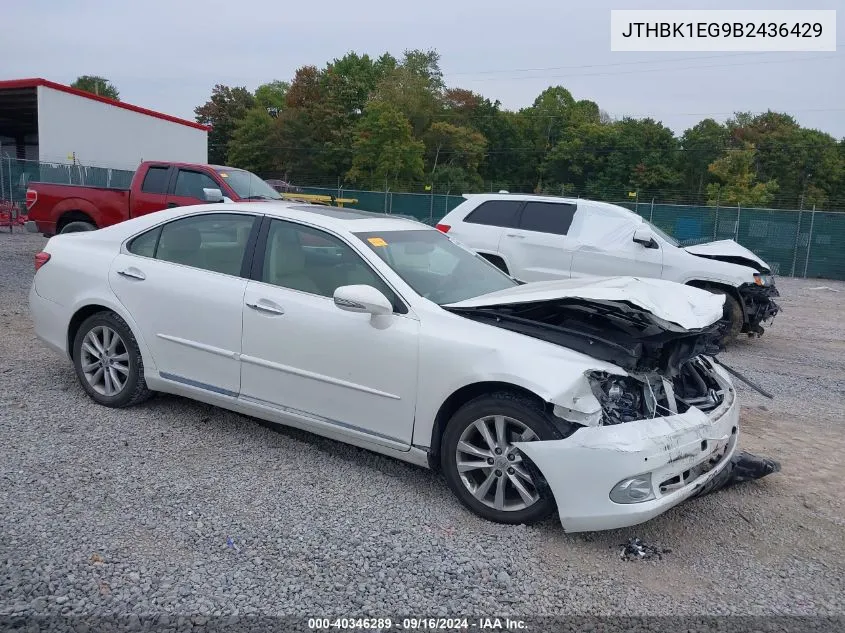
(454, 154)
(271, 96)
(385, 152)
(414, 86)
(222, 112)
(96, 85)
(701, 145)
(738, 181)
(251, 146)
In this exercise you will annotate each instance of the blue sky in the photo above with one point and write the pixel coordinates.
(167, 55)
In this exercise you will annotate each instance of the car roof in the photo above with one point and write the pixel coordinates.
(332, 218)
(608, 208)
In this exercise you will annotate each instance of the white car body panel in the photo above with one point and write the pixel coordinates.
(725, 247)
(190, 319)
(376, 382)
(688, 307)
(358, 370)
(599, 243)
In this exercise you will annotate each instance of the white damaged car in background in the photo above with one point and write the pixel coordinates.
(535, 238)
(600, 398)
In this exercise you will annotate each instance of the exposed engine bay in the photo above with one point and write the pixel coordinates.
(629, 398)
(617, 332)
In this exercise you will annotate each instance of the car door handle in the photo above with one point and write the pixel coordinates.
(170, 205)
(266, 306)
(522, 237)
(132, 273)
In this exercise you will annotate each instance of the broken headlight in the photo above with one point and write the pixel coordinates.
(622, 398)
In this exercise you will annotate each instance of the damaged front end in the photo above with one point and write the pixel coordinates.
(659, 430)
(617, 332)
(758, 303)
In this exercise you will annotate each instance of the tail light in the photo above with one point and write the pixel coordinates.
(443, 227)
(31, 198)
(41, 258)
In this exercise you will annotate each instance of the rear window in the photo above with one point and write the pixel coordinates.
(547, 217)
(156, 180)
(495, 213)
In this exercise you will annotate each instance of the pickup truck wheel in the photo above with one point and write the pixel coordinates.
(490, 476)
(108, 361)
(77, 227)
(732, 318)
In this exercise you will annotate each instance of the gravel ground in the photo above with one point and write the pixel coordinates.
(180, 508)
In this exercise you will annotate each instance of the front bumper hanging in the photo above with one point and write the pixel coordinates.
(759, 306)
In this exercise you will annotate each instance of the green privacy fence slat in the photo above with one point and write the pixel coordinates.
(425, 207)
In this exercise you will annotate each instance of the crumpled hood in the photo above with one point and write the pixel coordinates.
(685, 306)
(729, 251)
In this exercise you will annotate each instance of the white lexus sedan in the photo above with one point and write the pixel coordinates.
(599, 398)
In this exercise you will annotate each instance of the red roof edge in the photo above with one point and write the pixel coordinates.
(37, 81)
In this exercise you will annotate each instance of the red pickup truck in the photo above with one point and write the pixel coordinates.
(155, 186)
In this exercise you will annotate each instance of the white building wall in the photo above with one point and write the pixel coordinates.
(108, 136)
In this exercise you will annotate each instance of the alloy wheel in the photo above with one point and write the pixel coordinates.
(105, 361)
(492, 468)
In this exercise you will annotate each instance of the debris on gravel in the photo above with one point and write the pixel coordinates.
(635, 549)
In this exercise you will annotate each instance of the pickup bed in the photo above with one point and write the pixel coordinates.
(54, 208)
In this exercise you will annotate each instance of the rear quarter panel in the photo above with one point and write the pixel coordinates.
(76, 276)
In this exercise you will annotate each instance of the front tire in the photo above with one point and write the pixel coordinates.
(108, 361)
(490, 476)
(733, 318)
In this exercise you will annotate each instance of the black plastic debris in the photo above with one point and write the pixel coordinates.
(743, 467)
(635, 549)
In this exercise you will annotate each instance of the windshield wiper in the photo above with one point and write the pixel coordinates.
(259, 197)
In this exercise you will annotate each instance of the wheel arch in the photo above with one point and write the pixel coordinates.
(73, 215)
(88, 308)
(458, 399)
(715, 285)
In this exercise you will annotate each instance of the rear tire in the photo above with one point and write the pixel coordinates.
(108, 361)
(733, 318)
(495, 480)
(77, 227)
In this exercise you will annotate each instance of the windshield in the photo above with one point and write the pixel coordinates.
(434, 266)
(664, 236)
(247, 185)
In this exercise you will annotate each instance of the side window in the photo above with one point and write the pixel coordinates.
(190, 184)
(547, 217)
(495, 213)
(146, 243)
(156, 180)
(215, 242)
(310, 260)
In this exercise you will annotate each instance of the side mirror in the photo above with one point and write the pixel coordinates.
(644, 236)
(212, 195)
(360, 298)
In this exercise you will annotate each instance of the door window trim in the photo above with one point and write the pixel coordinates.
(249, 252)
(175, 178)
(256, 271)
(519, 213)
(168, 180)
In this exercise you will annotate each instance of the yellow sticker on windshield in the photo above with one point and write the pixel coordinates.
(376, 241)
(224, 175)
